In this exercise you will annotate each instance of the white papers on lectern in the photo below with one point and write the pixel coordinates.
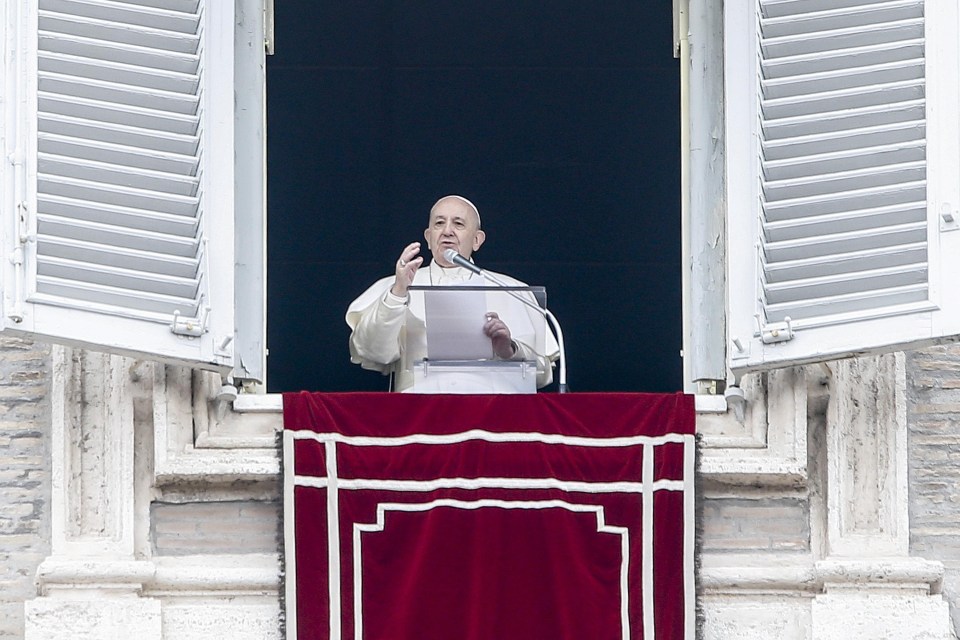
(455, 319)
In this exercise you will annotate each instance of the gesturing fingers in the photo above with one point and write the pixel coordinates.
(406, 268)
(408, 256)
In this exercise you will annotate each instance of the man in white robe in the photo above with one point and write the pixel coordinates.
(387, 317)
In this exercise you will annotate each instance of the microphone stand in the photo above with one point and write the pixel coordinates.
(456, 258)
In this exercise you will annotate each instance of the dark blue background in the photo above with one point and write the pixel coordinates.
(559, 119)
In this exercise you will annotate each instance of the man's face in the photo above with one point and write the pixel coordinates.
(453, 225)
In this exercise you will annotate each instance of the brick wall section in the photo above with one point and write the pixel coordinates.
(24, 475)
(215, 527)
(742, 525)
(933, 416)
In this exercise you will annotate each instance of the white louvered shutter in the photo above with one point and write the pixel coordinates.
(118, 232)
(842, 166)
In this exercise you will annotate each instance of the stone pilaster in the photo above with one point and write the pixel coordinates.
(90, 586)
(872, 588)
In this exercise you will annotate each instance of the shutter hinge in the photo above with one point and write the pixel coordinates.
(194, 327)
(776, 332)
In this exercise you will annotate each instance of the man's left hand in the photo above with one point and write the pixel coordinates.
(499, 334)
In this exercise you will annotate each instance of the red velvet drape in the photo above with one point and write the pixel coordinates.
(490, 517)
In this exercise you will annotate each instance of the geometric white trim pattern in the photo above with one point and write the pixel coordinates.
(333, 484)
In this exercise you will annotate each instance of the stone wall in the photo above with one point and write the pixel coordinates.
(234, 526)
(24, 475)
(933, 392)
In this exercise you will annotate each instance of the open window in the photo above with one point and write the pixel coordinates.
(842, 153)
(118, 218)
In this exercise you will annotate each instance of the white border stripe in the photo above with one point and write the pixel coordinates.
(289, 536)
(488, 436)
(333, 539)
(358, 484)
(689, 534)
(624, 581)
(646, 590)
(358, 582)
(602, 527)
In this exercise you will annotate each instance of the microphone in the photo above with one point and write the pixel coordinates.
(451, 255)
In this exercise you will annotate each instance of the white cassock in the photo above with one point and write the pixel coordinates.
(383, 324)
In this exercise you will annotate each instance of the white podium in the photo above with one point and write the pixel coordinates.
(471, 376)
(445, 350)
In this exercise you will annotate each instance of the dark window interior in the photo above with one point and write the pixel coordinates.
(559, 119)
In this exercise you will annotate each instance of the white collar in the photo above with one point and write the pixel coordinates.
(442, 275)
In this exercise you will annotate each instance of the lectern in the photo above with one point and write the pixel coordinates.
(444, 348)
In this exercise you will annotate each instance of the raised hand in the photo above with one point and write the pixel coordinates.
(407, 266)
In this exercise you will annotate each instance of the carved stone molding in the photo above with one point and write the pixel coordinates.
(199, 439)
(769, 445)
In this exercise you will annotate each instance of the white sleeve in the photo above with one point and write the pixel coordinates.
(375, 341)
(544, 363)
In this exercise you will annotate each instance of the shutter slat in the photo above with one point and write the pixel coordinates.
(119, 257)
(844, 181)
(848, 38)
(118, 278)
(824, 61)
(117, 175)
(846, 221)
(152, 242)
(847, 283)
(849, 159)
(838, 243)
(121, 53)
(137, 117)
(832, 101)
(862, 302)
(116, 297)
(844, 140)
(112, 133)
(114, 93)
(119, 195)
(118, 73)
(129, 156)
(778, 8)
(840, 121)
(836, 203)
(839, 18)
(184, 6)
(133, 281)
(135, 14)
(789, 270)
(101, 212)
(843, 79)
(118, 32)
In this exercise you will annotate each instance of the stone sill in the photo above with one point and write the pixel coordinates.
(273, 403)
(790, 575)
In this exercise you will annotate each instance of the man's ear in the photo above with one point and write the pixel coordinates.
(478, 239)
(426, 236)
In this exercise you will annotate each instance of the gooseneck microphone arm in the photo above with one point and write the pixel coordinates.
(452, 256)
